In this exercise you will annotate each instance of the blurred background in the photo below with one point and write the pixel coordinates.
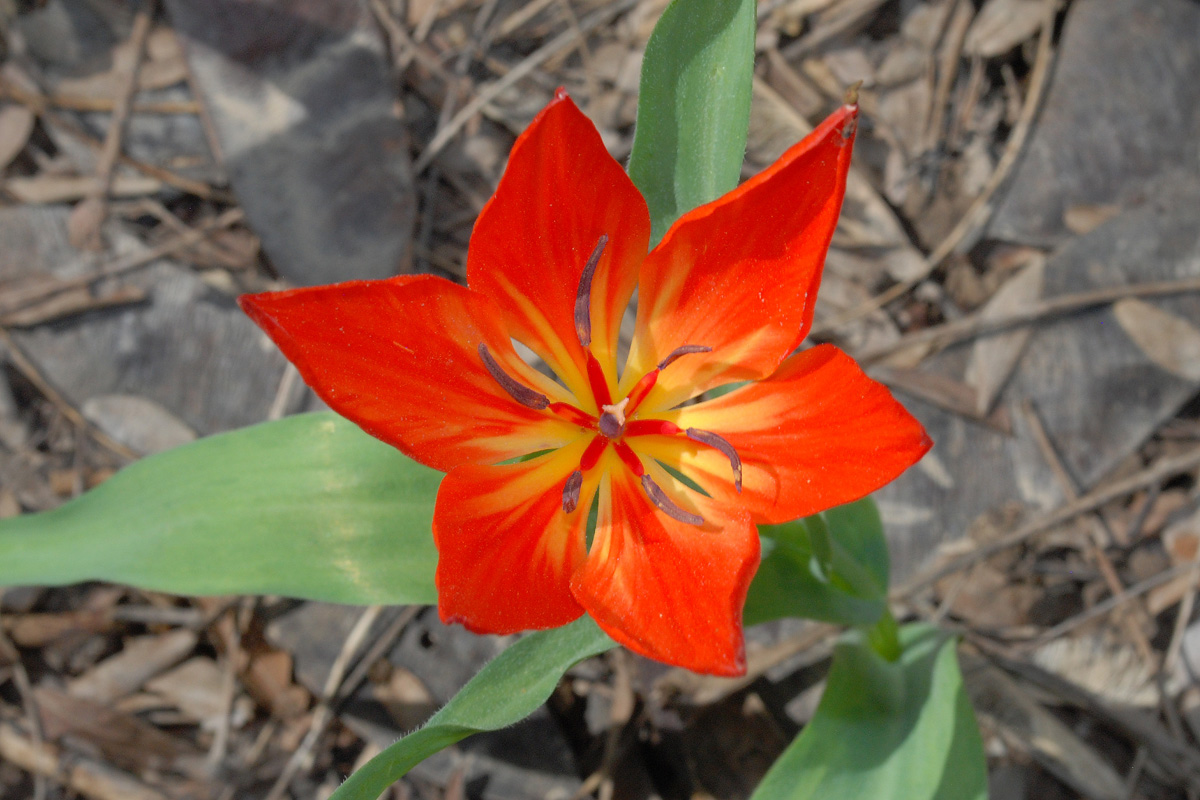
(1018, 258)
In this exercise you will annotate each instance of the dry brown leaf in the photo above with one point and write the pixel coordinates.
(141, 659)
(1169, 341)
(1101, 662)
(1083, 219)
(16, 123)
(993, 358)
(46, 188)
(127, 741)
(40, 630)
(85, 221)
(1001, 25)
(195, 687)
(269, 680)
(406, 698)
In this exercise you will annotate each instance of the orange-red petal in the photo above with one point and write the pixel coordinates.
(560, 192)
(400, 358)
(667, 589)
(816, 434)
(506, 548)
(740, 274)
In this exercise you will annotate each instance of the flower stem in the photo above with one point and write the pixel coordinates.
(884, 637)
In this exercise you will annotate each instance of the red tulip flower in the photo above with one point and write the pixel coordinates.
(430, 367)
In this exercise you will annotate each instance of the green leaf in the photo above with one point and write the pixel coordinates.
(843, 579)
(309, 506)
(887, 731)
(858, 528)
(503, 693)
(694, 107)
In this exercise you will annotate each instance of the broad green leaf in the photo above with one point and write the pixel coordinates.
(503, 693)
(844, 581)
(858, 528)
(694, 107)
(886, 731)
(309, 506)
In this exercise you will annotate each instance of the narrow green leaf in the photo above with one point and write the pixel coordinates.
(843, 582)
(503, 693)
(694, 107)
(887, 731)
(309, 506)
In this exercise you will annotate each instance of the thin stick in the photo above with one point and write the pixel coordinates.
(29, 700)
(979, 325)
(981, 209)
(124, 100)
(74, 102)
(1070, 490)
(594, 20)
(39, 105)
(1165, 468)
(126, 264)
(32, 374)
(322, 715)
(1105, 606)
(88, 778)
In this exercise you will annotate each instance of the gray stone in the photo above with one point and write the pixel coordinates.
(300, 94)
(1097, 393)
(1123, 107)
(188, 347)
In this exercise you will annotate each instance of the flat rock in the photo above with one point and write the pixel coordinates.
(301, 98)
(188, 348)
(1098, 394)
(1123, 107)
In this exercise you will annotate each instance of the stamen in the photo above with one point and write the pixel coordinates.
(686, 349)
(583, 296)
(599, 383)
(592, 454)
(665, 505)
(651, 427)
(572, 414)
(722, 444)
(641, 389)
(522, 394)
(571, 491)
(625, 452)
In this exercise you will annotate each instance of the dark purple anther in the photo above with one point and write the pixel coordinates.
(665, 505)
(610, 426)
(571, 491)
(522, 394)
(686, 349)
(719, 443)
(583, 297)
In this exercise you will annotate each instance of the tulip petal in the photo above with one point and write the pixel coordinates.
(400, 358)
(816, 434)
(560, 193)
(506, 548)
(667, 589)
(740, 274)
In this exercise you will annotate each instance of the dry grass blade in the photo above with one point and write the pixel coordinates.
(601, 16)
(979, 324)
(1160, 471)
(981, 208)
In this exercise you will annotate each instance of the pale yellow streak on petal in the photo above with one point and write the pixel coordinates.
(563, 364)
